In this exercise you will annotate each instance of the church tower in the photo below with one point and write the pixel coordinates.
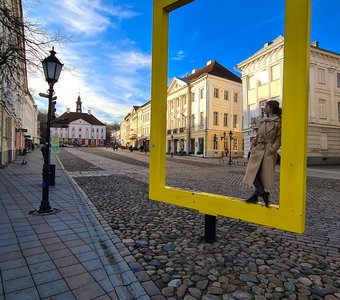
(78, 110)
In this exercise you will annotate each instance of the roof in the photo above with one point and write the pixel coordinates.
(216, 69)
(67, 118)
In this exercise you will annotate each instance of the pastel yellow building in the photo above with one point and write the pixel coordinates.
(202, 109)
(135, 127)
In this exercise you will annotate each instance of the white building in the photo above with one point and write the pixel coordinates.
(78, 128)
(262, 79)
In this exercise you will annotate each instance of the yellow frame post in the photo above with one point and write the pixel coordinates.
(290, 214)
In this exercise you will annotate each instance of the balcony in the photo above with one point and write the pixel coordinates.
(181, 129)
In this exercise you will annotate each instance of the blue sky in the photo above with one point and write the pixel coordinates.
(110, 51)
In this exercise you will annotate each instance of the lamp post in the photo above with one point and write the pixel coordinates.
(172, 146)
(52, 68)
(230, 138)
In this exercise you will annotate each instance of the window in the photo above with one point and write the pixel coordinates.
(215, 142)
(201, 118)
(339, 111)
(262, 77)
(321, 76)
(235, 121)
(252, 83)
(226, 95)
(215, 118)
(322, 108)
(323, 141)
(172, 104)
(216, 93)
(275, 72)
(225, 119)
(201, 93)
(184, 121)
(235, 97)
(192, 120)
(338, 80)
(184, 100)
(178, 122)
(235, 144)
(178, 102)
(79, 129)
(192, 97)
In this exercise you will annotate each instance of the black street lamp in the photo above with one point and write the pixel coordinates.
(230, 138)
(172, 146)
(52, 68)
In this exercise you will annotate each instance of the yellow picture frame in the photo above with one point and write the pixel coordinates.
(290, 214)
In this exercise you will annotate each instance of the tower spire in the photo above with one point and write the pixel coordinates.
(78, 110)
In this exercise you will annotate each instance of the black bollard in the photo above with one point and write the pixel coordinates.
(210, 228)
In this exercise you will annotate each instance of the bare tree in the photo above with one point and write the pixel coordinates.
(23, 45)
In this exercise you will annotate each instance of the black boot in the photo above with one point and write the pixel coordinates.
(265, 197)
(253, 199)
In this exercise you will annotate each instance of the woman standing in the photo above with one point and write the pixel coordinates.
(261, 166)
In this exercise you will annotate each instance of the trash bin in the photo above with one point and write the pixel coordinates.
(52, 175)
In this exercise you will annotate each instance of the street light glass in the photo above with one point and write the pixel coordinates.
(52, 67)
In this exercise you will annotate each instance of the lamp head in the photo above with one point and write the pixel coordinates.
(52, 67)
(230, 134)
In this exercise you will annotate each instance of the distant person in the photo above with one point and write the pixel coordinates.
(226, 151)
(261, 166)
(43, 151)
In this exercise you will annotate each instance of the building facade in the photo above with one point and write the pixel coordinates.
(78, 128)
(18, 112)
(262, 79)
(202, 109)
(135, 128)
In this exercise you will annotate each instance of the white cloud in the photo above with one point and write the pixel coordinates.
(88, 17)
(179, 55)
(130, 61)
(109, 95)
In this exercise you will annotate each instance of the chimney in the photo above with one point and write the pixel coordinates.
(89, 111)
(209, 62)
(68, 110)
(315, 44)
(193, 71)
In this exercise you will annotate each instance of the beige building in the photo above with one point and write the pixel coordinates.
(135, 128)
(18, 112)
(262, 79)
(202, 109)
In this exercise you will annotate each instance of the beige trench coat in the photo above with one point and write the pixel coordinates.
(263, 152)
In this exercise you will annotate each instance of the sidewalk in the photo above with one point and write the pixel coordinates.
(72, 254)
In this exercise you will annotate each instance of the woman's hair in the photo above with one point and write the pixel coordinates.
(275, 106)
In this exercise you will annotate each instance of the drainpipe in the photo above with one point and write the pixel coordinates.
(206, 119)
(189, 119)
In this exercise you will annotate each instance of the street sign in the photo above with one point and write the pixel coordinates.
(55, 144)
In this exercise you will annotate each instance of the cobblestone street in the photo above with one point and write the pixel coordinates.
(165, 243)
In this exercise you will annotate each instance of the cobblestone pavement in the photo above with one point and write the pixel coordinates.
(165, 242)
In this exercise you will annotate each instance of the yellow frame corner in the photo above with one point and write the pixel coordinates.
(290, 214)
